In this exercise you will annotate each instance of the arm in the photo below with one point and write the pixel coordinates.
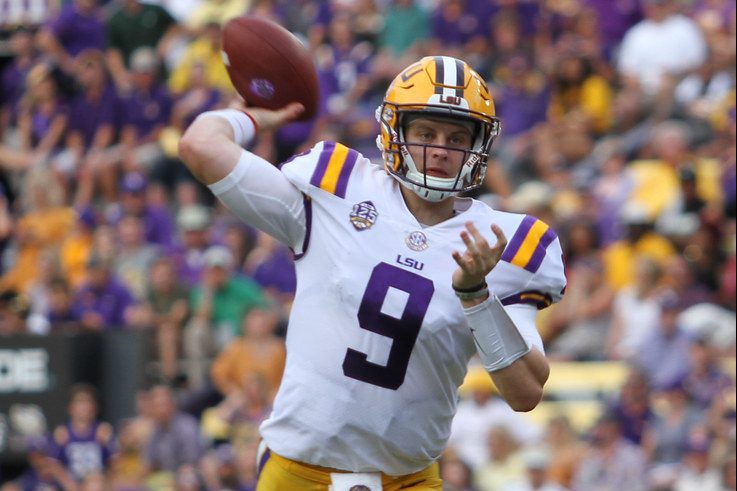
(506, 338)
(252, 188)
(208, 147)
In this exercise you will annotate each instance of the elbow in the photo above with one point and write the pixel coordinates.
(527, 401)
(189, 147)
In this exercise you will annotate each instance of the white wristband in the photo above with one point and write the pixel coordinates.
(498, 341)
(244, 129)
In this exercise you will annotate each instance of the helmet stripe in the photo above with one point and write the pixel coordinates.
(439, 74)
(460, 77)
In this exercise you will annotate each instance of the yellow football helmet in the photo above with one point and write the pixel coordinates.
(445, 87)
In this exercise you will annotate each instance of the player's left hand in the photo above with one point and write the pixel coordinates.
(479, 258)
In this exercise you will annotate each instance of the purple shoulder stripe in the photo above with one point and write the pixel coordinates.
(539, 254)
(322, 163)
(518, 238)
(345, 173)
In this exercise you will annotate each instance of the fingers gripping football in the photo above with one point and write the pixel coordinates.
(479, 258)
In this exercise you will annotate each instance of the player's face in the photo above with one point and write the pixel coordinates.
(445, 162)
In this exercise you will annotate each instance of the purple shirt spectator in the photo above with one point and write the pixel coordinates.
(41, 122)
(83, 454)
(147, 110)
(614, 18)
(157, 220)
(12, 86)
(528, 12)
(86, 116)
(109, 300)
(174, 444)
(277, 271)
(77, 31)
(521, 109)
(454, 30)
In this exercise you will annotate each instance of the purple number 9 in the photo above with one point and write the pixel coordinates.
(403, 331)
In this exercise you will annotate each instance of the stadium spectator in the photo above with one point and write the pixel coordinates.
(453, 28)
(94, 120)
(271, 265)
(42, 122)
(706, 381)
(666, 437)
(61, 315)
(43, 471)
(576, 87)
(536, 463)
(193, 222)
(565, 449)
(147, 111)
(256, 351)
(202, 52)
(164, 310)
(660, 48)
(610, 462)
(83, 445)
(44, 223)
(635, 312)
(696, 471)
(584, 318)
(639, 242)
(405, 31)
(663, 350)
(218, 304)
(158, 223)
(77, 27)
(504, 467)
(214, 11)
(632, 406)
(102, 302)
(132, 25)
(76, 247)
(457, 475)
(13, 313)
(134, 256)
(175, 439)
(13, 76)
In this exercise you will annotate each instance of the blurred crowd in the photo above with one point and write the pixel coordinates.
(618, 129)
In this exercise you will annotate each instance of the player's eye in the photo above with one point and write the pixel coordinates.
(460, 140)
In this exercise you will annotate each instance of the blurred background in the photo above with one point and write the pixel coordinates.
(142, 325)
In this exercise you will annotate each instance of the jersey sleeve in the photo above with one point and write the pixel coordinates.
(535, 248)
(326, 168)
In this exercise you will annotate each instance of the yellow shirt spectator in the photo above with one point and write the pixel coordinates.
(657, 184)
(205, 51)
(619, 258)
(36, 231)
(217, 11)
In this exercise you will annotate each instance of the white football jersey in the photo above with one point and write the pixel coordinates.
(377, 343)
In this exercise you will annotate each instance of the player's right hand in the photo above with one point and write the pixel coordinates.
(267, 119)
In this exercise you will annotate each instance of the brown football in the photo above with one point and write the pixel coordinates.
(269, 66)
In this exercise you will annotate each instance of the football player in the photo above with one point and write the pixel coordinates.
(399, 280)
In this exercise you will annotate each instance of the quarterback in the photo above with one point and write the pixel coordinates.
(399, 280)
